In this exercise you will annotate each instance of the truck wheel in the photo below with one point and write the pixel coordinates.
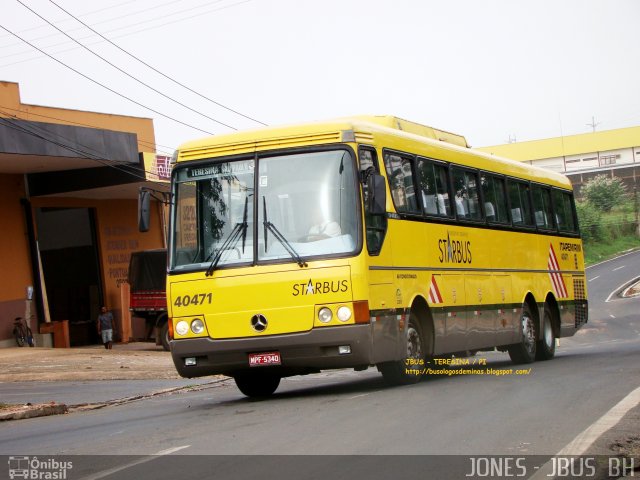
(257, 384)
(164, 336)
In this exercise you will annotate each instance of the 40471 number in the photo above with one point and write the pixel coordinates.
(195, 299)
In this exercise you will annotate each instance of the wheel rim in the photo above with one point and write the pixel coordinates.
(414, 343)
(528, 334)
(548, 332)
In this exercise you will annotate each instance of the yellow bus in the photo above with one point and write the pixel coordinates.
(360, 242)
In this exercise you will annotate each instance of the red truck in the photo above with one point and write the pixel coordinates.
(148, 295)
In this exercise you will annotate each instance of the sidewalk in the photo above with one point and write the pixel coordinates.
(49, 381)
(132, 361)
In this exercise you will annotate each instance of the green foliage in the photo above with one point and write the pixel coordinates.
(589, 218)
(604, 192)
(607, 234)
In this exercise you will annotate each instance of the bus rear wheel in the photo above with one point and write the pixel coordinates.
(409, 369)
(525, 350)
(257, 384)
(546, 348)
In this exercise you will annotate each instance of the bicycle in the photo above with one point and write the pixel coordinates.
(22, 332)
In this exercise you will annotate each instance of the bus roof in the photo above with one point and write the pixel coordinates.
(363, 129)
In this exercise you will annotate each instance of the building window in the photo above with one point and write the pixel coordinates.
(609, 159)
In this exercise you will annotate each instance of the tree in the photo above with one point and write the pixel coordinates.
(604, 192)
(589, 218)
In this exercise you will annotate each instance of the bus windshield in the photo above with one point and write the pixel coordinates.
(305, 205)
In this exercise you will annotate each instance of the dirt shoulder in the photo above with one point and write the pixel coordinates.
(138, 361)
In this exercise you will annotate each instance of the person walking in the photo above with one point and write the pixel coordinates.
(105, 327)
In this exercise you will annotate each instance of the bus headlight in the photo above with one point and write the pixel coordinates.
(197, 326)
(344, 314)
(325, 315)
(182, 327)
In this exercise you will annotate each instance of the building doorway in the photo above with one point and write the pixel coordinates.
(71, 269)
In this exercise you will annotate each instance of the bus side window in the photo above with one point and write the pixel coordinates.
(520, 204)
(433, 185)
(401, 183)
(563, 211)
(465, 184)
(542, 207)
(495, 206)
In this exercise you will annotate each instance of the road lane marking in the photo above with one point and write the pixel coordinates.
(145, 459)
(358, 396)
(594, 278)
(619, 268)
(612, 259)
(579, 445)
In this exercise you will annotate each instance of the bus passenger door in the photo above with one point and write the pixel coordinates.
(384, 310)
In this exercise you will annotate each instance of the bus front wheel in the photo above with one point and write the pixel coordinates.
(409, 369)
(525, 350)
(257, 384)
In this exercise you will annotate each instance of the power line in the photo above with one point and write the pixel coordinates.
(123, 71)
(155, 69)
(62, 20)
(134, 171)
(102, 85)
(155, 7)
(42, 37)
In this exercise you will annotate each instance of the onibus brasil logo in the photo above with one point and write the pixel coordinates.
(33, 468)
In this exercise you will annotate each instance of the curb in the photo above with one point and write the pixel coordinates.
(31, 411)
(43, 410)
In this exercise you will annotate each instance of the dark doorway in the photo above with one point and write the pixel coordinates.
(67, 244)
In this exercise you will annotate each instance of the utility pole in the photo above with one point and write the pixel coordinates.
(593, 124)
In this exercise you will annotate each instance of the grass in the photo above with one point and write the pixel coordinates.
(615, 232)
(595, 252)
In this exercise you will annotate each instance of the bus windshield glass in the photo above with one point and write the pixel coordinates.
(305, 204)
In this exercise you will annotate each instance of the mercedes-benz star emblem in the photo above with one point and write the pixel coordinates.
(259, 323)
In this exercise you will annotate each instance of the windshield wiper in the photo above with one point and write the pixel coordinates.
(270, 227)
(240, 230)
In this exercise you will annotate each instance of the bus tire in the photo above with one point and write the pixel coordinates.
(164, 335)
(546, 348)
(257, 384)
(525, 350)
(408, 370)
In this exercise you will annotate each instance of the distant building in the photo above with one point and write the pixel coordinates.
(69, 182)
(581, 157)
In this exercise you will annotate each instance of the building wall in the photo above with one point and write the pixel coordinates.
(15, 262)
(117, 237)
(115, 220)
(12, 106)
(615, 153)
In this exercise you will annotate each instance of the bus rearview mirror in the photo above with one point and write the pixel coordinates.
(144, 201)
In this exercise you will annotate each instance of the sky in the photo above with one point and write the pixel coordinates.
(493, 70)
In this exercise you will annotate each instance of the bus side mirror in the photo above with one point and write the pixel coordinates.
(144, 201)
(377, 204)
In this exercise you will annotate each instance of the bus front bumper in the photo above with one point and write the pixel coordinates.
(302, 352)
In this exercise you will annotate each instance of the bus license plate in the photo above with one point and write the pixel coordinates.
(260, 359)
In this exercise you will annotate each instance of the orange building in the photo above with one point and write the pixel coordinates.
(69, 182)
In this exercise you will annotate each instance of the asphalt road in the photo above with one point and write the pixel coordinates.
(354, 413)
